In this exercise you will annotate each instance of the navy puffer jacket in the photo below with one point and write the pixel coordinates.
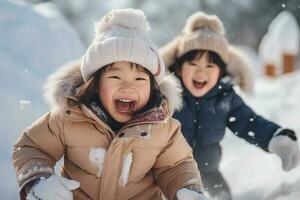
(204, 121)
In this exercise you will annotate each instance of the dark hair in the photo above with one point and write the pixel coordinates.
(87, 90)
(213, 57)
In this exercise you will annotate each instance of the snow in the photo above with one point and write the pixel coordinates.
(260, 176)
(97, 157)
(284, 22)
(271, 47)
(251, 133)
(269, 51)
(32, 45)
(36, 41)
(232, 119)
(35, 170)
(127, 161)
(255, 61)
(24, 104)
(184, 193)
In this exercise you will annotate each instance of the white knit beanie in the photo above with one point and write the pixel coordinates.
(121, 35)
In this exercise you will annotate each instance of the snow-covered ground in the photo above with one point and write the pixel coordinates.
(36, 41)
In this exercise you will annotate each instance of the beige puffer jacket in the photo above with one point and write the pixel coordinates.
(147, 156)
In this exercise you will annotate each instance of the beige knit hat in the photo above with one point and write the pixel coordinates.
(203, 32)
(206, 32)
(121, 35)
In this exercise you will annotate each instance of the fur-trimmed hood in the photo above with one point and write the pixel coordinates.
(61, 85)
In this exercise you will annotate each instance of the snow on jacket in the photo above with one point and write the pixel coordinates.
(147, 156)
(204, 121)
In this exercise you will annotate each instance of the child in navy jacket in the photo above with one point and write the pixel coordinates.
(208, 67)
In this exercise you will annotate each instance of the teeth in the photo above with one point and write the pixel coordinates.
(200, 81)
(126, 100)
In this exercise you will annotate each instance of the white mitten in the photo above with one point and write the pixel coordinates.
(186, 194)
(284, 144)
(54, 187)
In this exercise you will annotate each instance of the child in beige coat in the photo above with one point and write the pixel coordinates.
(111, 122)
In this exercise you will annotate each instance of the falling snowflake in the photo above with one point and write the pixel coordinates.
(251, 134)
(232, 119)
(23, 104)
(283, 5)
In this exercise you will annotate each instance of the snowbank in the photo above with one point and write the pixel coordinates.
(33, 43)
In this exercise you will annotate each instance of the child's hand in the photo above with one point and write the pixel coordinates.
(186, 194)
(54, 187)
(285, 145)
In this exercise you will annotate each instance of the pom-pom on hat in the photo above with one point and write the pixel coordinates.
(121, 35)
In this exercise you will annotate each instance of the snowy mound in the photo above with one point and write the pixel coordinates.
(34, 42)
(278, 99)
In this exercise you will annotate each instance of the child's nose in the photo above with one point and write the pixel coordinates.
(200, 70)
(126, 88)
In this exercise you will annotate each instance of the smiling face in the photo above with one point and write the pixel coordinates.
(124, 88)
(199, 75)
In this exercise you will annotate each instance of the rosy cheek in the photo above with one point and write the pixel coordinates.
(105, 95)
(187, 80)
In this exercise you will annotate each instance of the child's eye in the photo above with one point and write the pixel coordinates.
(114, 77)
(140, 79)
(192, 63)
(211, 66)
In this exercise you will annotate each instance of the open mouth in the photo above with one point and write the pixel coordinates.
(125, 105)
(199, 84)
